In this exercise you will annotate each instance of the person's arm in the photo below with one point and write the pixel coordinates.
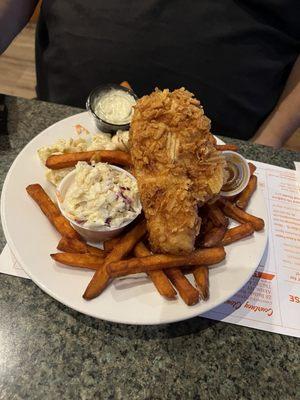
(14, 15)
(285, 118)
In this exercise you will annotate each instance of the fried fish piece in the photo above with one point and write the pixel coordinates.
(176, 165)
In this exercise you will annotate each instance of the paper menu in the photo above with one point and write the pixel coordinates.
(9, 265)
(271, 298)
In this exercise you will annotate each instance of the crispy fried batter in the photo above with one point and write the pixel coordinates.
(176, 165)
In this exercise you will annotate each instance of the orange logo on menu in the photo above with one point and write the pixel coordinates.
(294, 299)
(252, 307)
(263, 275)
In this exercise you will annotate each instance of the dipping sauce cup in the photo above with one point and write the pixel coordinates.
(97, 233)
(111, 107)
(239, 174)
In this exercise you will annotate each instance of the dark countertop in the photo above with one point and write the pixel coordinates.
(48, 351)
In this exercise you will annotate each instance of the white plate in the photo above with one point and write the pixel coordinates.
(132, 301)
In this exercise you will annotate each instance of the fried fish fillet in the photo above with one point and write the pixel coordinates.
(176, 165)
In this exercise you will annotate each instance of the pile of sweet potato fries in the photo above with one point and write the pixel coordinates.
(128, 254)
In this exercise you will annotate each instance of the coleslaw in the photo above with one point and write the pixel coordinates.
(101, 195)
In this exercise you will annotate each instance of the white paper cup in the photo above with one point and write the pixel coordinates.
(98, 233)
(239, 174)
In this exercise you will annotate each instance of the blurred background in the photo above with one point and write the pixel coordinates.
(17, 70)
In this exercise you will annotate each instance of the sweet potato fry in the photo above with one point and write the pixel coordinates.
(245, 196)
(216, 215)
(164, 261)
(77, 246)
(241, 216)
(126, 85)
(37, 193)
(111, 243)
(159, 278)
(188, 293)
(214, 237)
(206, 226)
(231, 198)
(223, 147)
(62, 225)
(252, 168)
(187, 270)
(67, 160)
(202, 282)
(101, 278)
(237, 233)
(80, 260)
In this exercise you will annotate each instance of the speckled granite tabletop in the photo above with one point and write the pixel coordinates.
(48, 351)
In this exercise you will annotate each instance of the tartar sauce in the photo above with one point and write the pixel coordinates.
(101, 196)
(115, 107)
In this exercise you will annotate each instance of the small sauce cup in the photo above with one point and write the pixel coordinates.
(239, 174)
(99, 233)
(91, 105)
